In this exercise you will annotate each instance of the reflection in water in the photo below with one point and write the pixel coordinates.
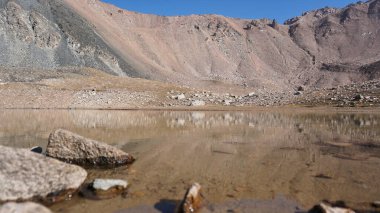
(304, 156)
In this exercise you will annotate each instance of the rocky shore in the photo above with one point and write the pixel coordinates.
(74, 88)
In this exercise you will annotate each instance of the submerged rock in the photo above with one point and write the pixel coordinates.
(28, 207)
(192, 202)
(73, 148)
(104, 188)
(327, 208)
(25, 175)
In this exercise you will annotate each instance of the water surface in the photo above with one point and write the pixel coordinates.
(244, 160)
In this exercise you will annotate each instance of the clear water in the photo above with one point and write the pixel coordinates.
(268, 160)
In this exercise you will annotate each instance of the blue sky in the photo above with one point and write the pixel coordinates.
(250, 9)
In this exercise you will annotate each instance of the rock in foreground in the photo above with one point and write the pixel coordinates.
(73, 148)
(28, 207)
(26, 175)
(192, 202)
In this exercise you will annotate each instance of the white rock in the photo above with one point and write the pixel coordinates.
(181, 97)
(106, 184)
(227, 102)
(198, 103)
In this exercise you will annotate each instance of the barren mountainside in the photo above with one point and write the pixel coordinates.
(326, 47)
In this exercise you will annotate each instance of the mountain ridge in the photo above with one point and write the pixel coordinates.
(321, 48)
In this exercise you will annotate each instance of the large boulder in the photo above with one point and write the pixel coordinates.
(28, 207)
(73, 148)
(26, 175)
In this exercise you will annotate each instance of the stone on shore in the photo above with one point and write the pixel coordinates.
(25, 175)
(180, 96)
(107, 184)
(28, 207)
(192, 202)
(198, 103)
(104, 189)
(73, 148)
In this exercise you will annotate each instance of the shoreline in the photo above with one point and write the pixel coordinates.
(305, 109)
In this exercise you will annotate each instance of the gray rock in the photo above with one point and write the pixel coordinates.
(40, 35)
(28, 207)
(73, 148)
(26, 175)
(198, 103)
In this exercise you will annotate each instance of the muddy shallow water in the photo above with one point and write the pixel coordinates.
(275, 161)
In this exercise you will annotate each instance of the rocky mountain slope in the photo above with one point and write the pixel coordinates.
(45, 34)
(326, 47)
